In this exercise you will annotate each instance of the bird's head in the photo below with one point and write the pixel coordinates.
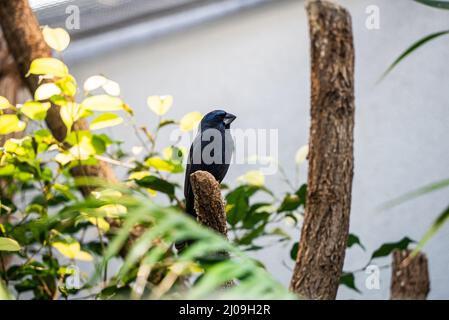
(217, 118)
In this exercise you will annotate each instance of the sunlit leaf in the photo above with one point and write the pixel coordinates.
(94, 82)
(112, 210)
(412, 48)
(35, 110)
(164, 165)
(112, 88)
(252, 178)
(8, 244)
(72, 251)
(49, 66)
(4, 103)
(103, 103)
(105, 120)
(10, 123)
(46, 91)
(68, 85)
(301, 154)
(56, 38)
(190, 121)
(71, 113)
(160, 104)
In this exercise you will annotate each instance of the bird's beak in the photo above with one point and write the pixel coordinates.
(228, 119)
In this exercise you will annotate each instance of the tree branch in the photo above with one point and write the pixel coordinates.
(326, 221)
(26, 43)
(409, 277)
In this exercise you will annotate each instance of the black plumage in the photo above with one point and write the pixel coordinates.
(210, 151)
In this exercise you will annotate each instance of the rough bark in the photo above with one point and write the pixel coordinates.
(326, 222)
(10, 82)
(409, 277)
(209, 204)
(26, 43)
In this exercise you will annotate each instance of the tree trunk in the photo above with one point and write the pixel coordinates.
(326, 222)
(26, 43)
(409, 277)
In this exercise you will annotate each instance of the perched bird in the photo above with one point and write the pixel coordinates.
(210, 151)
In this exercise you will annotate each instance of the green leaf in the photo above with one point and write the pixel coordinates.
(412, 48)
(441, 220)
(291, 202)
(387, 248)
(417, 193)
(294, 251)
(8, 244)
(157, 184)
(105, 120)
(49, 66)
(354, 240)
(7, 170)
(35, 110)
(348, 280)
(435, 3)
(10, 123)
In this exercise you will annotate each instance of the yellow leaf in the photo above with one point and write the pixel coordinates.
(72, 251)
(253, 178)
(10, 123)
(68, 85)
(137, 175)
(49, 66)
(107, 194)
(101, 223)
(83, 149)
(56, 38)
(164, 165)
(46, 91)
(70, 113)
(301, 154)
(105, 120)
(8, 244)
(35, 110)
(160, 104)
(103, 103)
(4, 103)
(94, 82)
(190, 121)
(112, 210)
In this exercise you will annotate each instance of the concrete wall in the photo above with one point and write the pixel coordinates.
(256, 64)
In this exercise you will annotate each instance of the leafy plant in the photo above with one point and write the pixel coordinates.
(49, 228)
(444, 216)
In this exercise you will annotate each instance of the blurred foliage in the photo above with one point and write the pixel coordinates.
(443, 217)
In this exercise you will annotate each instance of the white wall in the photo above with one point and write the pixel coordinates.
(256, 65)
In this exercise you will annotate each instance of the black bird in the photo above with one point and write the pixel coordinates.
(210, 151)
